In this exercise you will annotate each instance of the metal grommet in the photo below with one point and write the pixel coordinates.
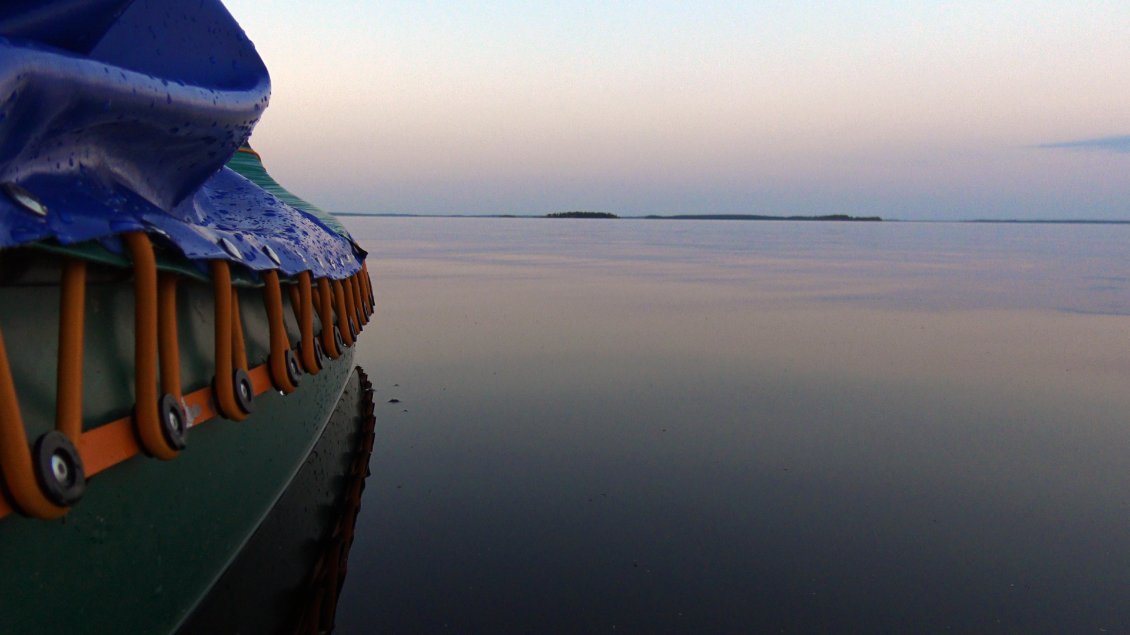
(230, 247)
(319, 354)
(58, 468)
(244, 393)
(293, 370)
(338, 340)
(272, 255)
(174, 422)
(25, 199)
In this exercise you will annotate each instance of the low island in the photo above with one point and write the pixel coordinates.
(581, 215)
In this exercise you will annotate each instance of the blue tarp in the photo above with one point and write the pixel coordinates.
(120, 116)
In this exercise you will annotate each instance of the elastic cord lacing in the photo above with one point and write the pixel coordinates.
(325, 314)
(159, 421)
(281, 375)
(305, 308)
(343, 323)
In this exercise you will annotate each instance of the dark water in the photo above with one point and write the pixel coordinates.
(642, 426)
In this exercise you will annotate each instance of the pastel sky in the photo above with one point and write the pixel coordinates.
(905, 109)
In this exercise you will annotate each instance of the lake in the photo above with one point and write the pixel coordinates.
(713, 426)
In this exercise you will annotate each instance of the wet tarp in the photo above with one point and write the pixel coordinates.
(121, 116)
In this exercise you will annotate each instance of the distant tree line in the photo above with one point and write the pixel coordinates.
(581, 215)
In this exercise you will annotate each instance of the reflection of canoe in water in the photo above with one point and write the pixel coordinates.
(178, 402)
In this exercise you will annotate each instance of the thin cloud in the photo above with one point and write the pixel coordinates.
(1117, 143)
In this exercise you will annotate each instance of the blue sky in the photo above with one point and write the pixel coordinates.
(916, 110)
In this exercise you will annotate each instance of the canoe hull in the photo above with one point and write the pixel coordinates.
(150, 538)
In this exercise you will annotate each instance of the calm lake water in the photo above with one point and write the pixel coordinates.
(686, 426)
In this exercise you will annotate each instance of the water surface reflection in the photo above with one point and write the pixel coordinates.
(680, 426)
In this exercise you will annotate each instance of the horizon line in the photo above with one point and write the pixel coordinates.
(712, 216)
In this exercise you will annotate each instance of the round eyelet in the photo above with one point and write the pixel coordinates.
(274, 257)
(25, 199)
(244, 392)
(293, 370)
(58, 469)
(319, 354)
(230, 248)
(174, 422)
